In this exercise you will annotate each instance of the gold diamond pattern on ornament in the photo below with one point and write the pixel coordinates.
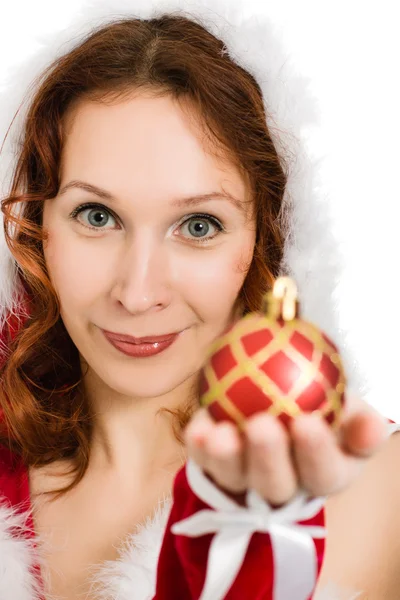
(280, 347)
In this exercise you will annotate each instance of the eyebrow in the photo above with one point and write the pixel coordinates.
(180, 202)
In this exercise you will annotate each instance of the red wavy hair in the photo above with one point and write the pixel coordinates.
(46, 416)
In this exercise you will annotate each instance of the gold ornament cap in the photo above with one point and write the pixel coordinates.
(282, 301)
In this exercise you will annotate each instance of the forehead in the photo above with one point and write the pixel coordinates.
(147, 144)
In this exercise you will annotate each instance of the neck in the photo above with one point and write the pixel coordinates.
(134, 434)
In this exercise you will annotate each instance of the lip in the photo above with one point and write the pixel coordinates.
(141, 349)
(149, 339)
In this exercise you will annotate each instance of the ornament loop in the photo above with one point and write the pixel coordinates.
(285, 289)
(282, 301)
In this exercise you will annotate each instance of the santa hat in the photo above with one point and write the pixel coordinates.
(311, 253)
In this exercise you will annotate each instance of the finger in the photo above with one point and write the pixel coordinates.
(270, 470)
(322, 465)
(195, 434)
(363, 433)
(225, 457)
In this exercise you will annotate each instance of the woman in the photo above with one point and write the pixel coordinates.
(153, 217)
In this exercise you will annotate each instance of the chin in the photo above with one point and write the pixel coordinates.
(154, 386)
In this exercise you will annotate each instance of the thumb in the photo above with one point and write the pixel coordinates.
(363, 433)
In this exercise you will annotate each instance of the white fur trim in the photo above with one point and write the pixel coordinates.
(134, 574)
(17, 557)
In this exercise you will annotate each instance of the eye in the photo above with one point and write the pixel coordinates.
(201, 228)
(97, 215)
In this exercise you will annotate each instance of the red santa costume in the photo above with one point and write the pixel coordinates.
(200, 543)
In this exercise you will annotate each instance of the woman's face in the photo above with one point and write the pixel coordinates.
(163, 247)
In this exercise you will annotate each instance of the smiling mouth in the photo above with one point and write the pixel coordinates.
(139, 348)
(150, 339)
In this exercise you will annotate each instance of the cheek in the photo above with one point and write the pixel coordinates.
(215, 280)
(76, 272)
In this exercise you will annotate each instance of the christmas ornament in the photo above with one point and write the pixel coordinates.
(273, 361)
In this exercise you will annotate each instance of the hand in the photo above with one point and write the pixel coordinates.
(277, 462)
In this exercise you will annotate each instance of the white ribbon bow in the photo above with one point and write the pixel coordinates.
(295, 564)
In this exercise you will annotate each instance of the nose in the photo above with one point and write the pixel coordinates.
(142, 282)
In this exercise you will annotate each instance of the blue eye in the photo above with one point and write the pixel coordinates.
(98, 215)
(199, 226)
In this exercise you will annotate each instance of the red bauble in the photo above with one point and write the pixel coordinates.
(275, 362)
